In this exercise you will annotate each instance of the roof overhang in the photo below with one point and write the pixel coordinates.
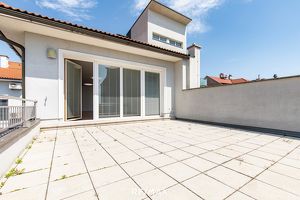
(14, 22)
(168, 12)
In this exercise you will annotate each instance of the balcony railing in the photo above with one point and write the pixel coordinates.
(15, 112)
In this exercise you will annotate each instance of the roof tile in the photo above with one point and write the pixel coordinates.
(14, 71)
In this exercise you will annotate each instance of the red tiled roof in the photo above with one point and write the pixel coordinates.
(86, 30)
(14, 71)
(240, 80)
(228, 81)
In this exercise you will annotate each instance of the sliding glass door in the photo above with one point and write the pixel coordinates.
(120, 92)
(152, 93)
(131, 92)
(109, 91)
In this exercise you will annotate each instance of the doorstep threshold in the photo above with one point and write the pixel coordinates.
(81, 123)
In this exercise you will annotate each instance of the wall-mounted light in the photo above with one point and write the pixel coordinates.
(51, 53)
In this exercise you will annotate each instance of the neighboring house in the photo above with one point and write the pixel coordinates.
(10, 79)
(218, 81)
(76, 72)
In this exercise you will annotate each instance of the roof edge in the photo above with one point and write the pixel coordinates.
(32, 17)
(195, 45)
(129, 32)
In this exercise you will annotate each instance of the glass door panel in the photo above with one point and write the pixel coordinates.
(131, 92)
(109, 91)
(73, 87)
(152, 93)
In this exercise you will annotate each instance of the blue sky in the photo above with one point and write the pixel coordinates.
(239, 37)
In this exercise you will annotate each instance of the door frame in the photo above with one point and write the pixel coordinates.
(66, 90)
(165, 91)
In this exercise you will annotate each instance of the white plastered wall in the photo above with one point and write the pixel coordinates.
(164, 26)
(42, 74)
(273, 104)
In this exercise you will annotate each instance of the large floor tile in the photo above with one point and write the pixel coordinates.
(107, 176)
(179, 155)
(208, 188)
(69, 187)
(286, 170)
(31, 193)
(179, 171)
(281, 181)
(121, 190)
(89, 195)
(244, 168)
(229, 177)
(160, 160)
(177, 192)
(263, 191)
(199, 163)
(154, 181)
(25, 180)
(137, 167)
(239, 196)
(214, 157)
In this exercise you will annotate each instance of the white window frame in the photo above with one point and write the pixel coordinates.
(101, 60)
(168, 40)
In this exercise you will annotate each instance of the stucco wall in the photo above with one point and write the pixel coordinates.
(140, 29)
(42, 72)
(5, 91)
(166, 27)
(271, 104)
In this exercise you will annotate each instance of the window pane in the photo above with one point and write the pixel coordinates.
(162, 39)
(155, 37)
(152, 93)
(131, 92)
(172, 42)
(178, 44)
(109, 91)
(73, 90)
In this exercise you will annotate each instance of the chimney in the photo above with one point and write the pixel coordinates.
(3, 61)
(193, 71)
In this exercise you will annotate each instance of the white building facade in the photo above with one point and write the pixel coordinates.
(78, 73)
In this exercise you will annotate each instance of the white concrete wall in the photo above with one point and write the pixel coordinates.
(9, 155)
(271, 104)
(5, 91)
(166, 27)
(42, 72)
(140, 29)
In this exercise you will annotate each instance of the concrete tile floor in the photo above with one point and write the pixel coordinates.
(156, 160)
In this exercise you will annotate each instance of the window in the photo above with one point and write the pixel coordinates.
(152, 93)
(3, 102)
(178, 44)
(166, 40)
(131, 92)
(109, 91)
(114, 80)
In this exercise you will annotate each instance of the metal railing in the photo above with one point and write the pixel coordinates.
(15, 112)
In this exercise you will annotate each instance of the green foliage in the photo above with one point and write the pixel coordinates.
(14, 172)
(19, 161)
(63, 177)
(1, 184)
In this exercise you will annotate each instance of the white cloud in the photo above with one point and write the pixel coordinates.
(76, 9)
(140, 5)
(195, 9)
